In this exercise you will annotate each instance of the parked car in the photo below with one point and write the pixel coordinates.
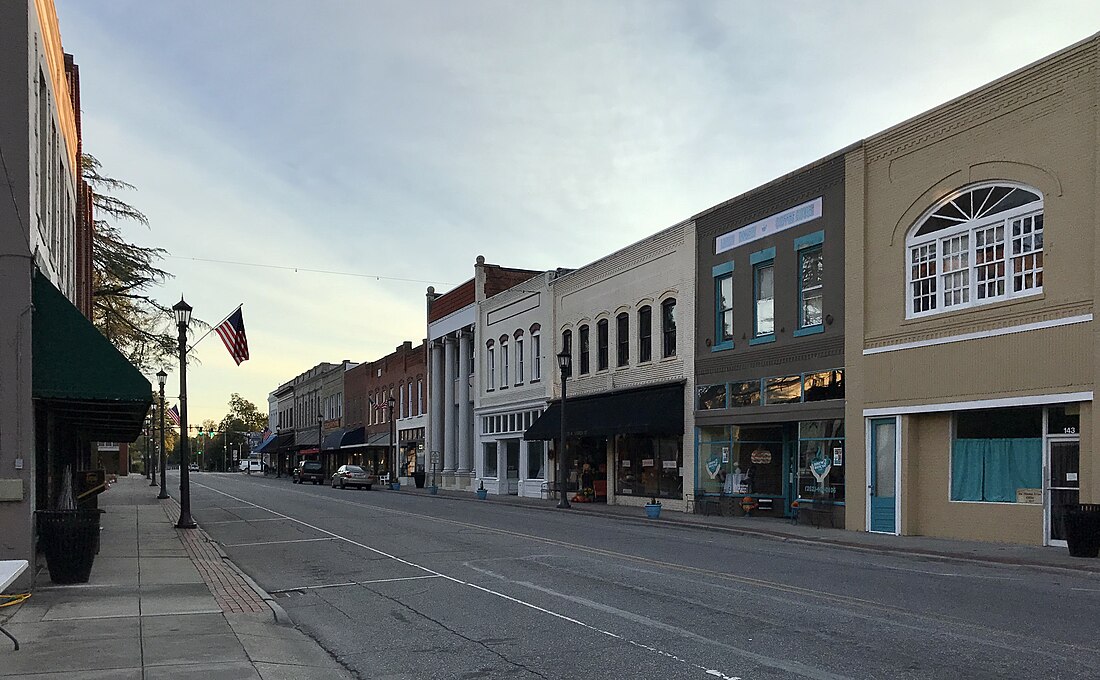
(308, 471)
(353, 475)
(193, 467)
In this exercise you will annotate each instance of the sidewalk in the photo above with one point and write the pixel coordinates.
(1037, 557)
(161, 603)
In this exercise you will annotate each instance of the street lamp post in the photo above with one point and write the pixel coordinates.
(393, 440)
(565, 363)
(320, 419)
(162, 377)
(182, 311)
(154, 459)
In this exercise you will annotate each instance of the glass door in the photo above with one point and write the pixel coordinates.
(511, 448)
(1063, 485)
(882, 483)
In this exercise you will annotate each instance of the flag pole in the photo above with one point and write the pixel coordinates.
(213, 328)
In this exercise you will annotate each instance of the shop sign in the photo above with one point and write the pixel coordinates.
(713, 466)
(1029, 496)
(647, 462)
(820, 467)
(626, 463)
(668, 464)
(761, 456)
(725, 454)
(800, 214)
(838, 457)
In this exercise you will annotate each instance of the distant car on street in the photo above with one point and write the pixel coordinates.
(193, 467)
(353, 475)
(308, 471)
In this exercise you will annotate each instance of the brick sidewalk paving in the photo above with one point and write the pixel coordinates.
(226, 584)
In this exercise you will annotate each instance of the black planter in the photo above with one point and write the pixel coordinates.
(70, 539)
(1082, 524)
(418, 479)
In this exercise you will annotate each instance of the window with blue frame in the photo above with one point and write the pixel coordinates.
(811, 288)
(996, 453)
(763, 284)
(723, 306)
(711, 397)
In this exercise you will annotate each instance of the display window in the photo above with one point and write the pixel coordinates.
(649, 466)
(821, 460)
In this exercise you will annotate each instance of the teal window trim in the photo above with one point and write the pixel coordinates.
(762, 256)
(721, 269)
(767, 259)
(802, 251)
(721, 273)
(809, 240)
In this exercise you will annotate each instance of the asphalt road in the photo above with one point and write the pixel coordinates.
(399, 585)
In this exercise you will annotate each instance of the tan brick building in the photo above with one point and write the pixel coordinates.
(970, 342)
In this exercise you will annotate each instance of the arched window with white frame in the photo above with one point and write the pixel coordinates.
(980, 244)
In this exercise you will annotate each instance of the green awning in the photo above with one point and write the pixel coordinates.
(77, 373)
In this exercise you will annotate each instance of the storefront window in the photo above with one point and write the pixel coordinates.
(711, 397)
(996, 454)
(783, 390)
(535, 460)
(821, 460)
(745, 393)
(489, 465)
(649, 466)
(756, 466)
(823, 386)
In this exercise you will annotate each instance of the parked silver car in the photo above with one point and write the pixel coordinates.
(353, 475)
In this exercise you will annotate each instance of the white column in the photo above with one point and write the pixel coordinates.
(435, 404)
(449, 447)
(465, 408)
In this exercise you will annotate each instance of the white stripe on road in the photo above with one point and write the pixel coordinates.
(297, 540)
(353, 583)
(237, 521)
(774, 663)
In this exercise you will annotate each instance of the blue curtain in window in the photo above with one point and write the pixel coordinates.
(993, 469)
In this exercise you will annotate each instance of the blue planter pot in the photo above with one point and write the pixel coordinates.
(482, 493)
(653, 510)
(433, 490)
(396, 486)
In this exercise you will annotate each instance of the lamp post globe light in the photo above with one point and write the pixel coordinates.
(182, 311)
(565, 363)
(162, 378)
(393, 440)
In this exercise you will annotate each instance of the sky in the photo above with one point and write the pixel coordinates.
(391, 143)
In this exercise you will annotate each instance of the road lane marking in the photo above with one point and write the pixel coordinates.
(822, 675)
(354, 583)
(237, 521)
(891, 612)
(297, 540)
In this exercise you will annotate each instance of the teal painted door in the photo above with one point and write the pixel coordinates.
(882, 489)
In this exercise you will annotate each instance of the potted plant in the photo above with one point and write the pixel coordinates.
(395, 484)
(481, 492)
(653, 508)
(69, 536)
(433, 489)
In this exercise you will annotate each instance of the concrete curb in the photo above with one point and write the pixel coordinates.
(802, 540)
(281, 617)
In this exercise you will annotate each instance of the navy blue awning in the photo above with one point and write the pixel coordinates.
(356, 437)
(267, 443)
(333, 440)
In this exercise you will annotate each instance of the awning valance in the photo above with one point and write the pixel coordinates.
(379, 439)
(267, 445)
(77, 373)
(283, 443)
(356, 437)
(651, 410)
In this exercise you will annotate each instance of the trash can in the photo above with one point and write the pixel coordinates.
(1082, 525)
(418, 479)
(70, 539)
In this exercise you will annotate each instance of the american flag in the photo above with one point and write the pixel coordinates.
(231, 331)
(174, 414)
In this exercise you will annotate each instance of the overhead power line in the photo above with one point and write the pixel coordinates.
(362, 275)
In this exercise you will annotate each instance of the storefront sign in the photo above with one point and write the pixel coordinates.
(838, 457)
(713, 466)
(793, 217)
(1029, 496)
(761, 456)
(668, 464)
(820, 467)
(647, 462)
(725, 454)
(626, 463)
